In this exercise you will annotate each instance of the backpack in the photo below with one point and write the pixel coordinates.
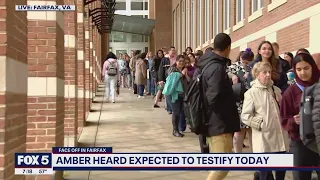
(112, 69)
(306, 124)
(194, 107)
(239, 89)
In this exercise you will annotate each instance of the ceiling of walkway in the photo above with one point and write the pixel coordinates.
(134, 25)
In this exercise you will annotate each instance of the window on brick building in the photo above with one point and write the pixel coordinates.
(118, 37)
(256, 5)
(137, 38)
(183, 25)
(226, 14)
(216, 17)
(240, 10)
(139, 5)
(199, 23)
(120, 5)
(207, 20)
(178, 29)
(192, 26)
(174, 28)
(188, 23)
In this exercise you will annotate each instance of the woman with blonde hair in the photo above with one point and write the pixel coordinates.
(261, 112)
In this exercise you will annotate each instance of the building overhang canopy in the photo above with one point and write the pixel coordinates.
(134, 25)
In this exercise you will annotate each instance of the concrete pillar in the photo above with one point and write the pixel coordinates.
(13, 86)
(71, 77)
(45, 80)
(81, 66)
(87, 63)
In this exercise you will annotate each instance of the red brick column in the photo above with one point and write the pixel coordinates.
(46, 80)
(71, 77)
(13, 86)
(81, 65)
(94, 62)
(99, 59)
(91, 56)
(87, 64)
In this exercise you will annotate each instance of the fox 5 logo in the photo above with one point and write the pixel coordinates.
(33, 159)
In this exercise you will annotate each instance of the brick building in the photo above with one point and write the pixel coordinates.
(293, 24)
(50, 68)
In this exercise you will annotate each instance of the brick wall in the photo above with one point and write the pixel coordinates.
(87, 64)
(162, 34)
(288, 38)
(46, 80)
(71, 77)
(90, 25)
(81, 65)
(50, 94)
(13, 94)
(288, 23)
(234, 54)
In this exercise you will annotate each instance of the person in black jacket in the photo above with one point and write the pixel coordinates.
(220, 104)
(316, 115)
(154, 72)
(284, 68)
(162, 75)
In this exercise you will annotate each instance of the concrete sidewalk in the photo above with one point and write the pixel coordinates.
(133, 125)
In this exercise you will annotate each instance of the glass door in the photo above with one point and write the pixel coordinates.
(120, 51)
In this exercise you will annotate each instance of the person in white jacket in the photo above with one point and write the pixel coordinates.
(110, 72)
(261, 112)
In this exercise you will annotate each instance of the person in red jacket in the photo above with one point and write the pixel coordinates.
(306, 74)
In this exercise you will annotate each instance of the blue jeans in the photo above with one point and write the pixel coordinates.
(133, 78)
(129, 77)
(151, 85)
(182, 122)
(168, 104)
(140, 90)
(177, 112)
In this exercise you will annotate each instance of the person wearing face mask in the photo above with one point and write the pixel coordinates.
(238, 72)
(306, 74)
(266, 54)
(260, 111)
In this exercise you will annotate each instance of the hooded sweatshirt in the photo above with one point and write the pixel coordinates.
(106, 64)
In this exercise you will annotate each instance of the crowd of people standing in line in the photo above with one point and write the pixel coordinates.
(256, 94)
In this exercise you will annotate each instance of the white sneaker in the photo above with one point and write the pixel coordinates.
(142, 97)
(139, 97)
